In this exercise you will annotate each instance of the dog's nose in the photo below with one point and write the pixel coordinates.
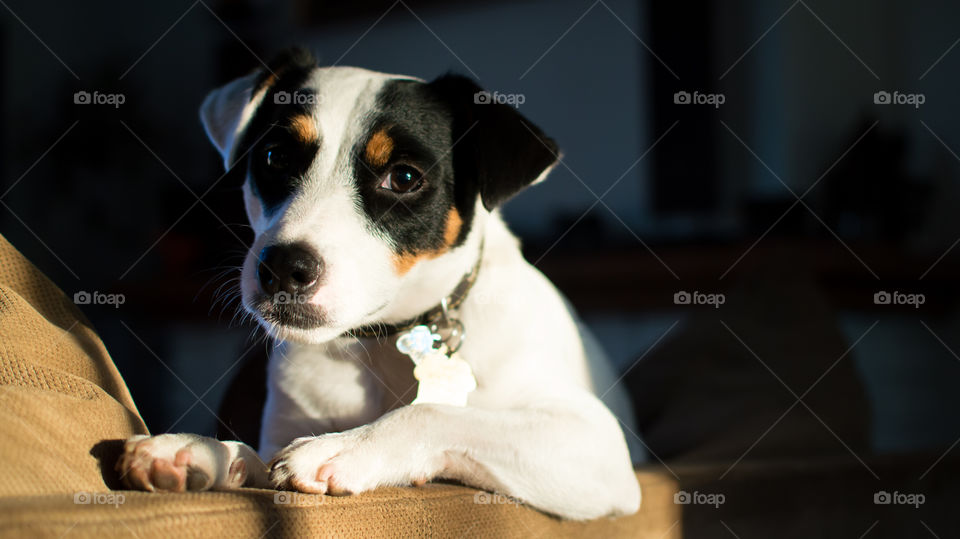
(293, 269)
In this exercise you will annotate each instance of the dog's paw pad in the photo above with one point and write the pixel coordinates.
(167, 463)
(326, 475)
(285, 479)
(166, 476)
(310, 487)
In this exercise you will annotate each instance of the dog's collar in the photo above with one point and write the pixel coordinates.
(447, 304)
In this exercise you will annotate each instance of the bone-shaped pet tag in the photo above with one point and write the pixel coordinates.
(442, 379)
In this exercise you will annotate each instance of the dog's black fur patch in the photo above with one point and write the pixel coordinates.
(268, 128)
(420, 127)
(466, 149)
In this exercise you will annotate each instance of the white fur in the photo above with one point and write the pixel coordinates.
(338, 419)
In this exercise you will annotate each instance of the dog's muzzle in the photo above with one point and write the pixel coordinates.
(292, 270)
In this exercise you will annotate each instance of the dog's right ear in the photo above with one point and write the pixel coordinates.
(226, 111)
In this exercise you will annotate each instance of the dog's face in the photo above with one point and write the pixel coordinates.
(363, 188)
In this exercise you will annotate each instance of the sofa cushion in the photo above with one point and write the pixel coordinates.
(60, 393)
(435, 510)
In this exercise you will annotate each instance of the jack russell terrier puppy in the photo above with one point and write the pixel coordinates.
(414, 342)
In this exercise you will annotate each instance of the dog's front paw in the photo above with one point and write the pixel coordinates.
(307, 465)
(178, 463)
(343, 463)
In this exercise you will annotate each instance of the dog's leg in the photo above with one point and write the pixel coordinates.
(565, 456)
(189, 462)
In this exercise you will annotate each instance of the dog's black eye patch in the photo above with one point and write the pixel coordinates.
(396, 162)
(277, 166)
(275, 170)
(281, 140)
(404, 174)
(279, 160)
(388, 145)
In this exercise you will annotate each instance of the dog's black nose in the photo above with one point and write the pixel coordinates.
(293, 269)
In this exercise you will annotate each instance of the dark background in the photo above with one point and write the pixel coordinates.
(799, 198)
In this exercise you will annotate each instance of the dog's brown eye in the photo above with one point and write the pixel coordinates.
(402, 179)
(276, 158)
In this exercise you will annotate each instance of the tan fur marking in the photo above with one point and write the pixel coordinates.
(406, 261)
(379, 148)
(266, 83)
(305, 129)
(452, 228)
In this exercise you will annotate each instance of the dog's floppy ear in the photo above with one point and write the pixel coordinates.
(499, 148)
(226, 111)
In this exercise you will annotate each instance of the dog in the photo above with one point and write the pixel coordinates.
(374, 202)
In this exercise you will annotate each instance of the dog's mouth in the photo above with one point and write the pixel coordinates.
(288, 312)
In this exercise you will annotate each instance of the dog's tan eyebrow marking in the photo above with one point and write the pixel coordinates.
(404, 262)
(305, 129)
(379, 148)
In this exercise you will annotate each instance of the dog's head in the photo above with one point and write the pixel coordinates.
(367, 192)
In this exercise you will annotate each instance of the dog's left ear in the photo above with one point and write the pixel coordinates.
(225, 112)
(499, 148)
